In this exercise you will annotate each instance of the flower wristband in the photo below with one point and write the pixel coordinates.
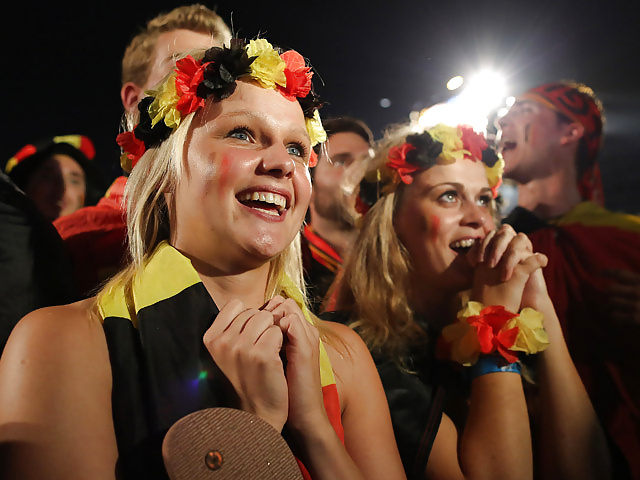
(481, 332)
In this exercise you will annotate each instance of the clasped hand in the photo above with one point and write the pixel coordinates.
(248, 345)
(507, 271)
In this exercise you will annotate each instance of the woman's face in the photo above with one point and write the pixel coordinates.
(245, 186)
(439, 216)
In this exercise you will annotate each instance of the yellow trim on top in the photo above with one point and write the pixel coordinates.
(166, 273)
(590, 214)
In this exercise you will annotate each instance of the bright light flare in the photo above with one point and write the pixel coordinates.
(509, 101)
(483, 93)
(455, 83)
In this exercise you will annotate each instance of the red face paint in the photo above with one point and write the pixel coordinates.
(434, 227)
(223, 170)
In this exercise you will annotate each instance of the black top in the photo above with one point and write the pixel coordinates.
(415, 395)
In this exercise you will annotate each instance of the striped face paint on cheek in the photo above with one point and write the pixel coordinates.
(223, 172)
(434, 227)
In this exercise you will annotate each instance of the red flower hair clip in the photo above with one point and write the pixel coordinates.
(298, 76)
(132, 146)
(473, 142)
(398, 162)
(189, 75)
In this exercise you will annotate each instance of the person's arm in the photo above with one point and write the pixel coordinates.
(368, 433)
(55, 398)
(495, 441)
(572, 443)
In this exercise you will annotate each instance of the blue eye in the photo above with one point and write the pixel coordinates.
(240, 133)
(296, 150)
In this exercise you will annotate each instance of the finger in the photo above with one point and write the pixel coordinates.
(289, 306)
(273, 303)
(238, 324)
(271, 338)
(499, 245)
(531, 264)
(483, 246)
(518, 249)
(297, 330)
(226, 315)
(254, 327)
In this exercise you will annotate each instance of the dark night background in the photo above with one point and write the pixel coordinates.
(62, 62)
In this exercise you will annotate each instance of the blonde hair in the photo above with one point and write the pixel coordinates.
(136, 62)
(374, 282)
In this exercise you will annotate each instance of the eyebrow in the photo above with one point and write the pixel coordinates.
(457, 185)
(258, 117)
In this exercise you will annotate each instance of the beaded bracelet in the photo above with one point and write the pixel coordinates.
(492, 331)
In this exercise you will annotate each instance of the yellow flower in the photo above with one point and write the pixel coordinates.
(494, 174)
(532, 337)
(268, 68)
(315, 129)
(451, 139)
(164, 104)
(465, 347)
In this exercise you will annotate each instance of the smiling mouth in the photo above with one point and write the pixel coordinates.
(265, 202)
(462, 246)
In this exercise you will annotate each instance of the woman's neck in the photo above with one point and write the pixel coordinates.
(248, 286)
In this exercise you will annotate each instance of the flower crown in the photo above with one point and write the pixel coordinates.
(193, 81)
(440, 144)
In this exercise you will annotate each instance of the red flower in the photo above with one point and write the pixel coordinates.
(313, 159)
(494, 189)
(489, 325)
(298, 76)
(190, 74)
(397, 161)
(132, 146)
(473, 142)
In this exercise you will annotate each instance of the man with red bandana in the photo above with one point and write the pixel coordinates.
(550, 140)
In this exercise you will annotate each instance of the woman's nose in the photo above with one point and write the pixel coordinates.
(277, 161)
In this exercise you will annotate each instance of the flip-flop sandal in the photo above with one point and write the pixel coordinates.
(226, 444)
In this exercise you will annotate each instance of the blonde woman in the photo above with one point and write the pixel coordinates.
(440, 296)
(211, 310)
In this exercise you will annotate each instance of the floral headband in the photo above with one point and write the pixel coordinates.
(193, 81)
(440, 144)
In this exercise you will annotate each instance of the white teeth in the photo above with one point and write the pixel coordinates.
(463, 243)
(266, 197)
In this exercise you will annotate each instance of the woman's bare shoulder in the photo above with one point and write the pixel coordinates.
(70, 331)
